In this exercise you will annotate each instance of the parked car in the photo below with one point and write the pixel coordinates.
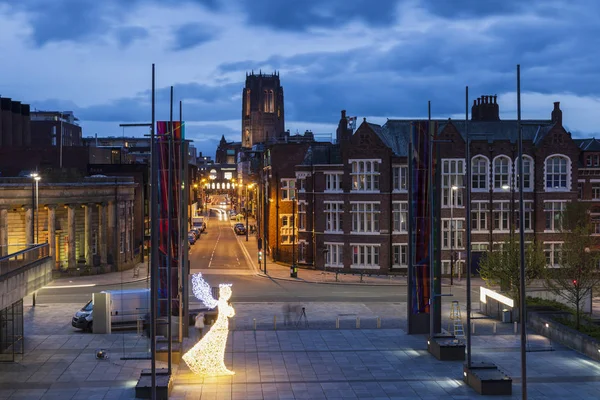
(126, 307)
(196, 232)
(191, 238)
(239, 229)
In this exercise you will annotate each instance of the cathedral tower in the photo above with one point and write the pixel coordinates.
(262, 109)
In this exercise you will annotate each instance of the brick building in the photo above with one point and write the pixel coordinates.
(351, 208)
(263, 117)
(15, 124)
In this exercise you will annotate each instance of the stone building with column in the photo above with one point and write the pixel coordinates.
(89, 223)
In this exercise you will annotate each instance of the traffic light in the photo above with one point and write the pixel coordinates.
(259, 256)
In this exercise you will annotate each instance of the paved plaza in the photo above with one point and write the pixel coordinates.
(318, 362)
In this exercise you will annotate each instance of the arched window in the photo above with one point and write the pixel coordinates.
(480, 173)
(271, 102)
(557, 173)
(266, 101)
(502, 172)
(247, 102)
(528, 180)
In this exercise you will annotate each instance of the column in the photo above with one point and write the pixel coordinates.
(88, 234)
(3, 232)
(102, 230)
(29, 225)
(113, 249)
(52, 232)
(72, 260)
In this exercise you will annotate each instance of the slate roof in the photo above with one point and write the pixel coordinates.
(323, 153)
(588, 144)
(395, 133)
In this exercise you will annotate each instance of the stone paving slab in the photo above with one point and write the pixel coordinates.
(290, 363)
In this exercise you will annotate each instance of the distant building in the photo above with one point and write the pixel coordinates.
(227, 152)
(263, 117)
(118, 150)
(15, 129)
(55, 128)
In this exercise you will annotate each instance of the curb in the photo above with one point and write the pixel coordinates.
(262, 275)
(99, 284)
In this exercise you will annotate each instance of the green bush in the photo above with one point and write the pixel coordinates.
(590, 330)
(536, 301)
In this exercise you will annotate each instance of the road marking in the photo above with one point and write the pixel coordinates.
(215, 248)
(69, 286)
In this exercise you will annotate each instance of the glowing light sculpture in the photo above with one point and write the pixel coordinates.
(207, 357)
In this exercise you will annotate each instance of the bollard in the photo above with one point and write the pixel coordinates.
(378, 322)
(274, 322)
(494, 328)
(516, 328)
(337, 323)
(254, 319)
(473, 324)
(357, 322)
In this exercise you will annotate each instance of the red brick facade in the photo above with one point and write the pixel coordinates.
(353, 229)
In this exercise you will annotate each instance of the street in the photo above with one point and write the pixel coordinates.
(219, 256)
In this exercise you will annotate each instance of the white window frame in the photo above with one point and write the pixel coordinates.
(529, 213)
(365, 255)
(400, 255)
(333, 182)
(400, 178)
(557, 207)
(302, 245)
(365, 217)
(503, 214)
(334, 211)
(288, 189)
(447, 264)
(476, 163)
(334, 257)
(505, 177)
(453, 174)
(595, 190)
(595, 222)
(286, 230)
(480, 246)
(302, 204)
(365, 175)
(458, 230)
(477, 209)
(555, 248)
(529, 183)
(548, 173)
(400, 216)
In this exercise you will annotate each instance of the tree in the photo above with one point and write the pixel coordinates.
(578, 270)
(503, 267)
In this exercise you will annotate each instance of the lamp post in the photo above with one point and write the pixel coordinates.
(34, 203)
(246, 209)
(294, 273)
(37, 209)
(453, 191)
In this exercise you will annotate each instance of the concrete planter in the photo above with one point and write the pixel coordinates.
(544, 324)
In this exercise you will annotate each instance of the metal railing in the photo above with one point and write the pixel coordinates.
(22, 258)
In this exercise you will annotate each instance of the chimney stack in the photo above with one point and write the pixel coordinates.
(342, 132)
(557, 113)
(485, 108)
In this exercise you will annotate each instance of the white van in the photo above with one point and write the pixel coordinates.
(126, 307)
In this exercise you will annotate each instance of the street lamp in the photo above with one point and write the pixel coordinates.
(294, 273)
(453, 191)
(34, 228)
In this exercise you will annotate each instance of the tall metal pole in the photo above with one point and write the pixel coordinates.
(432, 296)
(154, 243)
(522, 308)
(468, 218)
(182, 224)
(61, 141)
(169, 233)
(451, 234)
(37, 211)
(33, 210)
(246, 207)
(294, 231)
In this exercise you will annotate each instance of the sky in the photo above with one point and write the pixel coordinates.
(376, 59)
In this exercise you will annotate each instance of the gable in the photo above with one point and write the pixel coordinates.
(365, 138)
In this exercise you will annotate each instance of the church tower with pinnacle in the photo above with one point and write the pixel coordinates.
(262, 109)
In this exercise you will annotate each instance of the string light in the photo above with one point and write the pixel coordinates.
(207, 357)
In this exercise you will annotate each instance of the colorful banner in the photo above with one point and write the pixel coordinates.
(169, 162)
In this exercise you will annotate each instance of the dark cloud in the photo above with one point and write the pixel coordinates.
(84, 20)
(299, 16)
(129, 34)
(475, 8)
(191, 35)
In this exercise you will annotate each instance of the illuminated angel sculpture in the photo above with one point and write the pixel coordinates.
(207, 357)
